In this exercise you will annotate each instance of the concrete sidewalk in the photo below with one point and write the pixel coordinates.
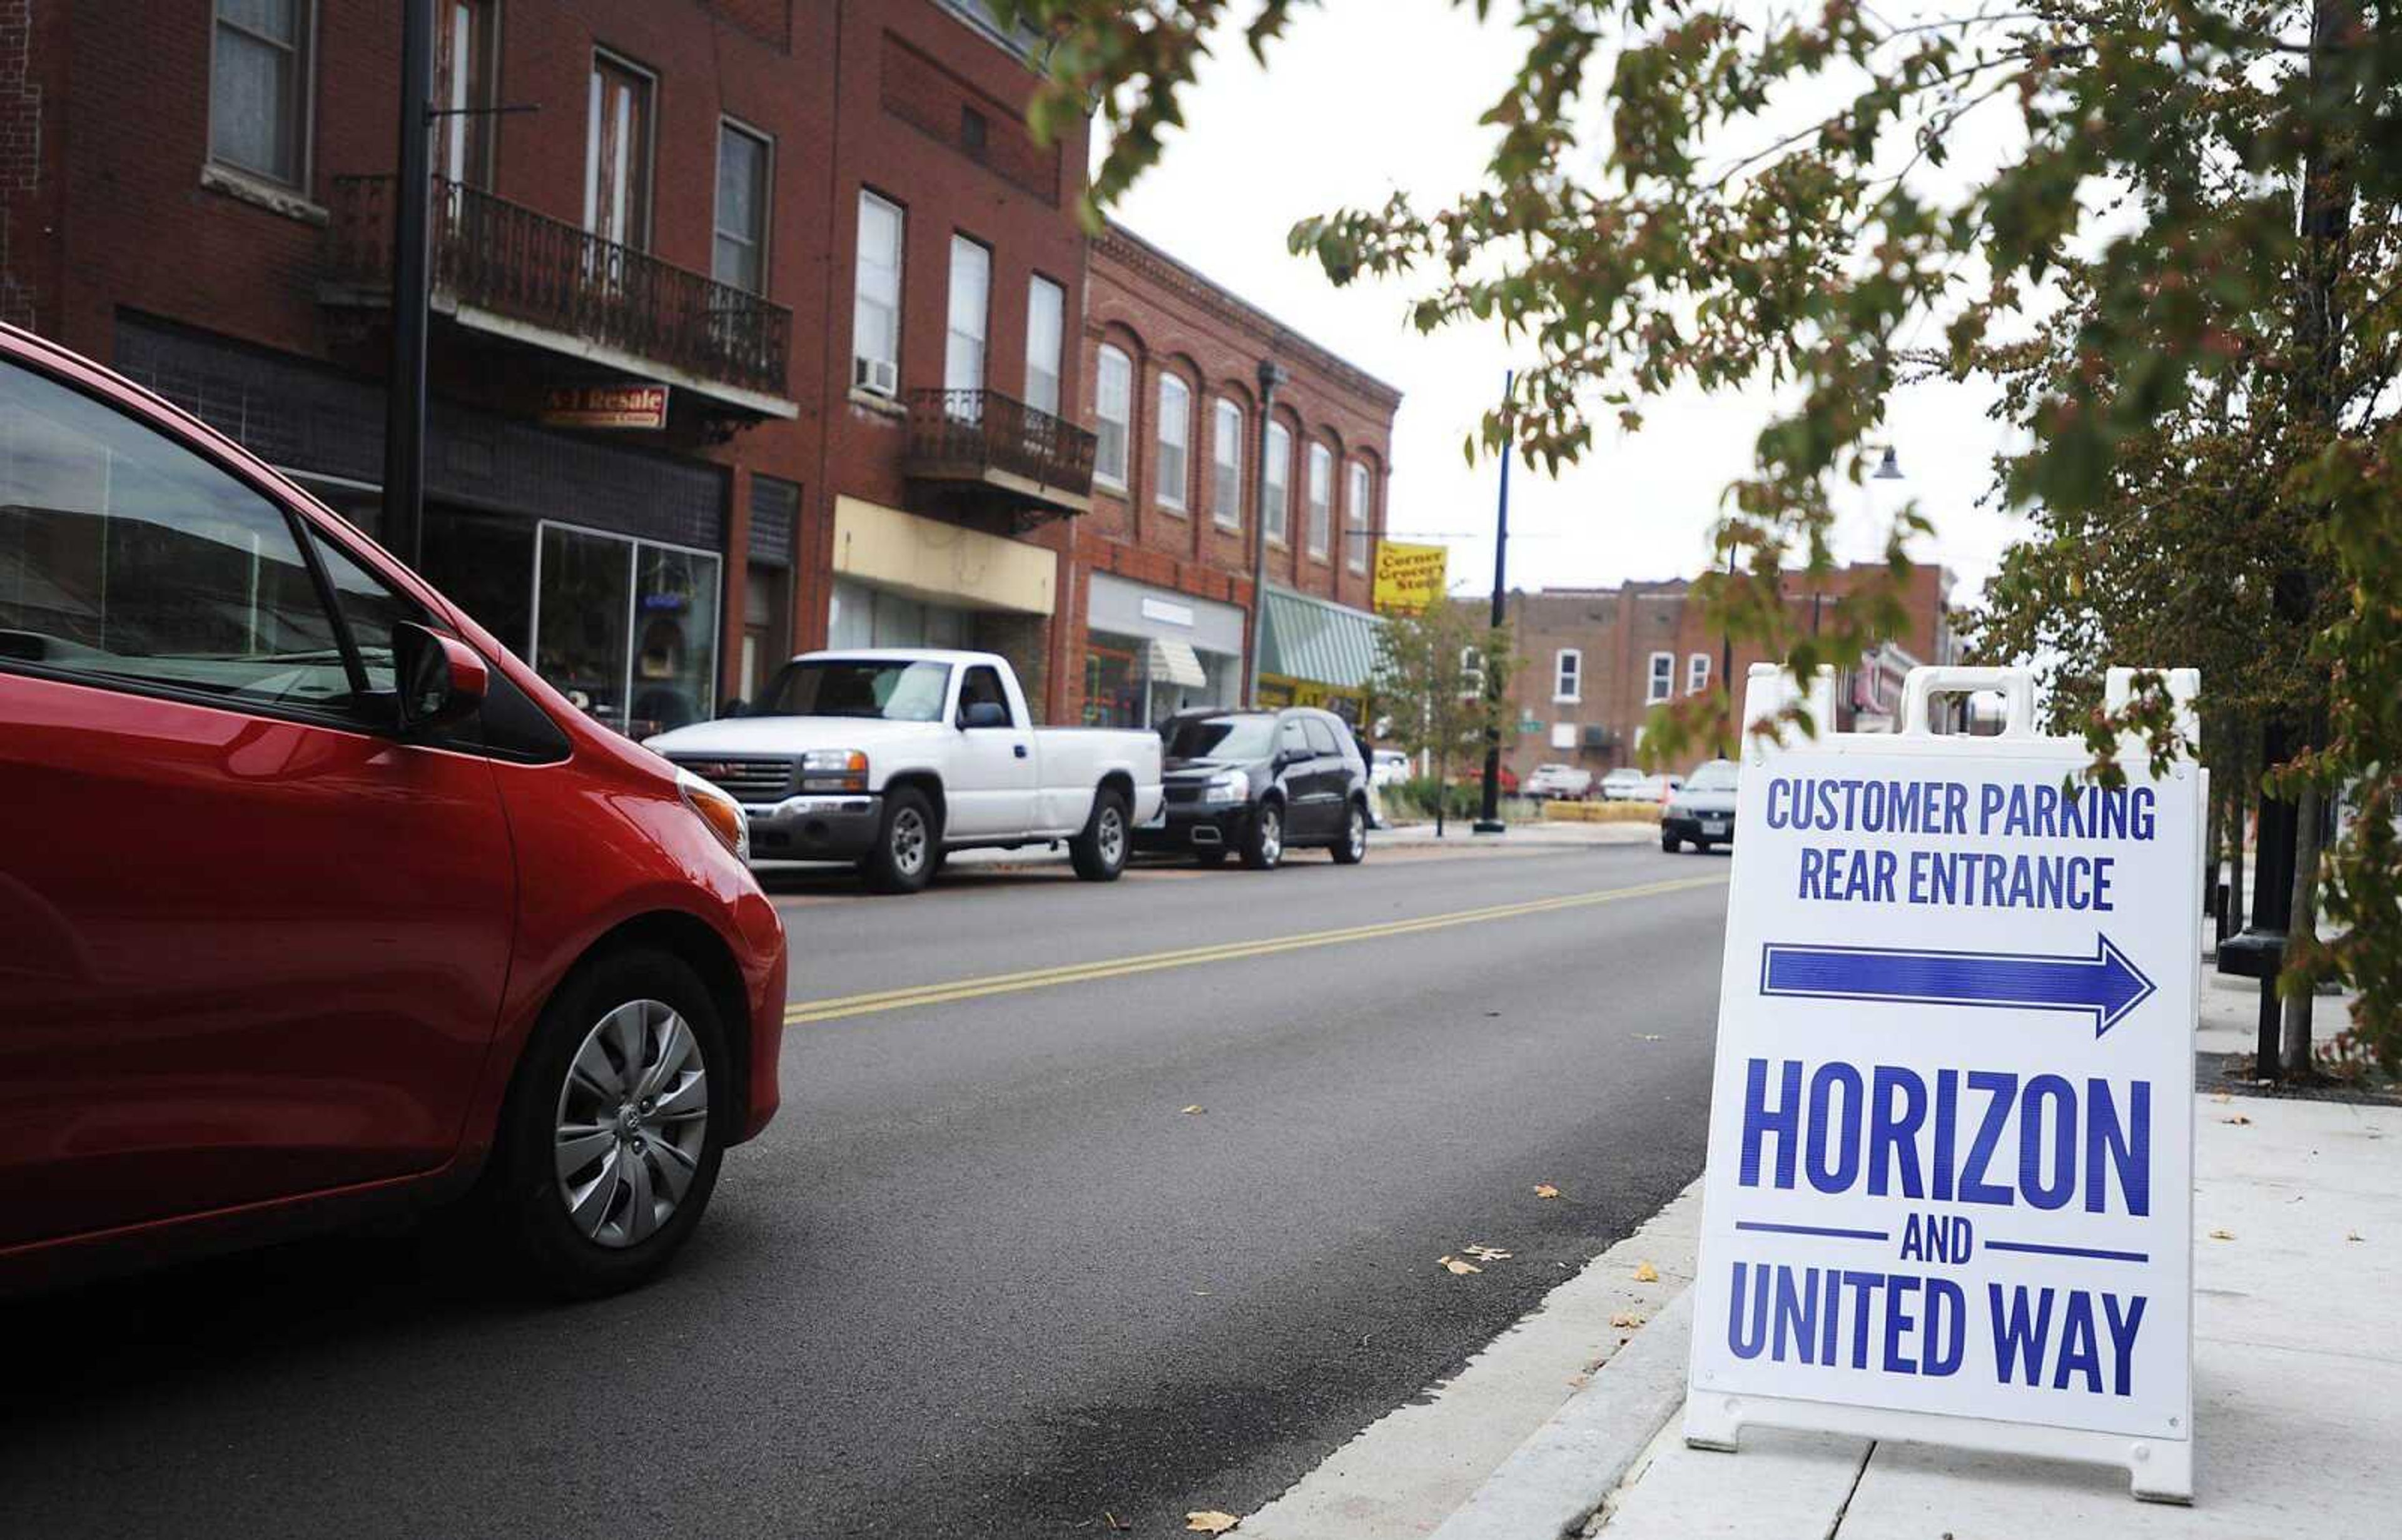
(2297, 1381)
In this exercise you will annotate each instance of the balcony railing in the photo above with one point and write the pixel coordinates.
(984, 436)
(505, 258)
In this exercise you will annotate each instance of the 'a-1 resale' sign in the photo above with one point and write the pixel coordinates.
(1949, 1194)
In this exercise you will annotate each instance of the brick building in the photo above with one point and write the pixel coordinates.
(821, 225)
(1594, 662)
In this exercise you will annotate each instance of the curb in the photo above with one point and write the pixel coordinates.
(1559, 1477)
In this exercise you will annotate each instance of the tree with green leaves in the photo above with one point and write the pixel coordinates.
(2188, 206)
(1441, 687)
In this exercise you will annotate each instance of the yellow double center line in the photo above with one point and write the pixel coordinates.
(1116, 968)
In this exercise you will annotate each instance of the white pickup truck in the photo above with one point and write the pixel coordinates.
(891, 757)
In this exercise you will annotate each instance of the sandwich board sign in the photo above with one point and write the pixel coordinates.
(1951, 1157)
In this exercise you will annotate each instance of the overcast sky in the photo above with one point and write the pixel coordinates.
(1363, 96)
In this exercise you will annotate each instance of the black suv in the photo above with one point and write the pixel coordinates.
(1260, 782)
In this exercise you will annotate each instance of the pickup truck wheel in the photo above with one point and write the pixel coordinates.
(1352, 848)
(1100, 853)
(903, 860)
(1264, 841)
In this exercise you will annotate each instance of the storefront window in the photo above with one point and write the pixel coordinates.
(1114, 682)
(625, 629)
(676, 645)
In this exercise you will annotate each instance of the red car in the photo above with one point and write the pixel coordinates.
(314, 900)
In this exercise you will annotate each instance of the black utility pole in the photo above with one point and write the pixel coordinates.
(1271, 376)
(404, 417)
(1490, 823)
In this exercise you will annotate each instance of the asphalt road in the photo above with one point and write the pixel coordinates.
(987, 1274)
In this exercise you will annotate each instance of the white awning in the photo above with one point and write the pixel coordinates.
(1174, 662)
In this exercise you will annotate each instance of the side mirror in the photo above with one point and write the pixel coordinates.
(984, 713)
(440, 678)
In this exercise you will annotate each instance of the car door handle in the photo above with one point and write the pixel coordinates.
(1021, 749)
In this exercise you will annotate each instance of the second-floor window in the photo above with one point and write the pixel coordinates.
(1276, 492)
(971, 308)
(1046, 317)
(1113, 415)
(1358, 526)
(876, 309)
(1663, 682)
(618, 154)
(464, 81)
(258, 87)
(1568, 677)
(1226, 464)
(739, 257)
(1175, 439)
(1321, 498)
(1697, 673)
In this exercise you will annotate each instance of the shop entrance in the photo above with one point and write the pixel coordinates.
(626, 629)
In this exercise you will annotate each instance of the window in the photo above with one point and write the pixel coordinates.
(1114, 406)
(258, 87)
(1563, 735)
(1697, 673)
(740, 256)
(463, 80)
(1664, 678)
(618, 154)
(1175, 438)
(1046, 311)
(981, 687)
(126, 558)
(1359, 526)
(1568, 676)
(1472, 673)
(370, 608)
(1321, 498)
(1226, 464)
(1290, 738)
(876, 312)
(971, 304)
(1279, 474)
(1322, 737)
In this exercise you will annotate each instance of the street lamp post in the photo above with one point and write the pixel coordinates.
(1271, 376)
(1490, 823)
(404, 408)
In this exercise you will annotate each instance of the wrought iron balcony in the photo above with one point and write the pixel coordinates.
(505, 260)
(986, 438)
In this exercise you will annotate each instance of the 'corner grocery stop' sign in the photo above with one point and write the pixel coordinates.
(1950, 1185)
(1409, 577)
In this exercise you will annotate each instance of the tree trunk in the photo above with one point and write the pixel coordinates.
(2238, 814)
(2302, 931)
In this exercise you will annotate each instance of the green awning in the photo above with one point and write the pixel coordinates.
(1325, 643)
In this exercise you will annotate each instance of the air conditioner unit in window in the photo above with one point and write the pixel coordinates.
(876, 375)
(1600, 738)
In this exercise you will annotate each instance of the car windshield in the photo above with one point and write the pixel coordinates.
(1717, 776)
(879, 689)
(1219, 737)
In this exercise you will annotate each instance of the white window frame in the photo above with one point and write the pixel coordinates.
(1568, 676)
(968, 328)
(1279, 471)
(1112, 390)
(642, 167)
(1321, 500)
(729, 125)
(1046, 337)
(1472, 673)
(1173, 478)
(1697, 673)
(1229, 423)
(1662, 681)
(302, 109)
(1358, 525)
(861, 299)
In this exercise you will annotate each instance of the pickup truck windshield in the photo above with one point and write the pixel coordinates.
(1221, 738)
(893, 691)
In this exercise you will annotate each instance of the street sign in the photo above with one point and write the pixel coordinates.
(605, 406)
(1951, 1158)
(1409, 577)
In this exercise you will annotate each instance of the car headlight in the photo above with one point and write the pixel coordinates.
(719, 811)
(833, 770)
(1232, 787)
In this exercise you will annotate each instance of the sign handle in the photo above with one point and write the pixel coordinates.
(2017, 686)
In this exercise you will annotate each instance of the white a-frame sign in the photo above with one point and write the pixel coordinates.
(1949, 1195)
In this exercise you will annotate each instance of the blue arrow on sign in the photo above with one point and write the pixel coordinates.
(2106, 985)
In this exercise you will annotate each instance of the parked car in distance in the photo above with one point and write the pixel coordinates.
(1623, 784)
(1564, 781)
(893, 756)
(1702, 812)
(1260, 783)
(316, 903)
(1390, 769)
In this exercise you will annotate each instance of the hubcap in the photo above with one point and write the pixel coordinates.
(1112, 836)
(1271, 834)
(1359, 831)
(908, 840)
(632, 1121)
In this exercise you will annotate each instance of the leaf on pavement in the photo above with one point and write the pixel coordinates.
(2222, 1235)
(1114, 1521)
(1646, 1273)
(2239, 1119)
(1650, 1038)
(1626, 1318)
(1210, 1522)
(2223, 1098)
(1488, 1254)
(2351, 1235)
(1457, 1266)
(1195, 1107)
(1545, 1190)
